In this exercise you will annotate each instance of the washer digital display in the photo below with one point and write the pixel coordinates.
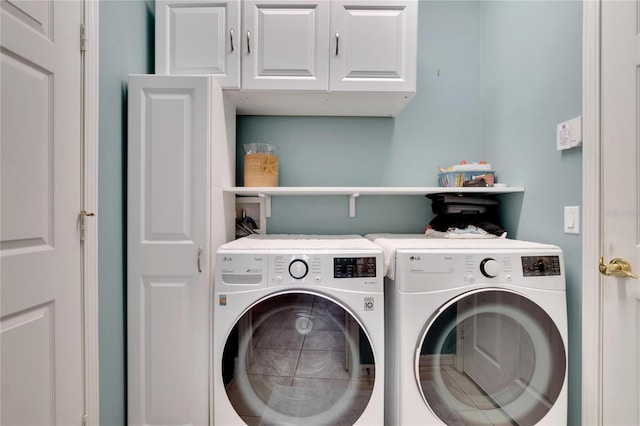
(540, 266)
(354, 267)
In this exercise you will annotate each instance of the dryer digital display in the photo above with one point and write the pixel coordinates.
(540, 266)
(354, 267)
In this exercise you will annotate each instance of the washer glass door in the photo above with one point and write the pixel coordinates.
(298, 358)
(489, 357)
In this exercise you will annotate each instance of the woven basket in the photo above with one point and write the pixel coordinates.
(260, 169)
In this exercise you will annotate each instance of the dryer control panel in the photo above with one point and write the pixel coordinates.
(540, 266)
(431, 270)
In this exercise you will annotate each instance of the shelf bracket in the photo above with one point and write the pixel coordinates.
(352, 204)
(267, 204)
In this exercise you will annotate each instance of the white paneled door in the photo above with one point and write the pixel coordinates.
(621, 211)
(41, 297)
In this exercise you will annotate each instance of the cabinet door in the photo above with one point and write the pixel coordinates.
(199, 37)
(373, 45)
(285, 45)
(168, 265)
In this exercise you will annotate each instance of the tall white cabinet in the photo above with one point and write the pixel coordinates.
(181, 152)
(272, 57)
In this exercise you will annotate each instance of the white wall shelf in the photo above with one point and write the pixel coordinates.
(355, 192)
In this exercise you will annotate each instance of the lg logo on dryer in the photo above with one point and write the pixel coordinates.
(414, 258)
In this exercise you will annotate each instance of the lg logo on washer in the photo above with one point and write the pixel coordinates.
(368, 304)
(412, 258)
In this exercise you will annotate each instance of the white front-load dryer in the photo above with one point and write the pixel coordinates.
(477, 331)
(298, 331)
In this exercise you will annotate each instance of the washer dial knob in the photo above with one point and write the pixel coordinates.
(489, 267)
(298, 269)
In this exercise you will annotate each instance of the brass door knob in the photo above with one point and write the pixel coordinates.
(618, 267)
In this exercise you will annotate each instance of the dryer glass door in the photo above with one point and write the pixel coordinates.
(490, 357)
(298, 358)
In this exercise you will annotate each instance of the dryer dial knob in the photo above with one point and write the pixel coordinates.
(298, 269)
(490, 268)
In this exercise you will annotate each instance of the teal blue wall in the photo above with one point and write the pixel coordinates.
(494, 79)
(126, 47)
(531, 81)
(441, 126)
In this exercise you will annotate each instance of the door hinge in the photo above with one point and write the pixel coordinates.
(83, 223)
(83, 38)
(85, 419)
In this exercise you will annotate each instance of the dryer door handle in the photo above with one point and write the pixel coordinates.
(618, 267)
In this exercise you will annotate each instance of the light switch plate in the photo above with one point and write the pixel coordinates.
(572, 220)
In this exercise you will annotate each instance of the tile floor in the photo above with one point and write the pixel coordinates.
(464, 403)
(297, 365)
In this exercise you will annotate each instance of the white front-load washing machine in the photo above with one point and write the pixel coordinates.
(476, 331)
(298, 331)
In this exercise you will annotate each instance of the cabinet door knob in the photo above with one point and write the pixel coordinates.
(249, 42)
(337, 43)
(231, 39)
(199, 257)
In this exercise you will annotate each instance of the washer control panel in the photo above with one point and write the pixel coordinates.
(296, 266)
(339, 270)
(300, 266)
(354, 267)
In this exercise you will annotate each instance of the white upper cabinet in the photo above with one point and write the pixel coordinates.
(286, 45)
(201, 37)
(374, 45)
(296, 57)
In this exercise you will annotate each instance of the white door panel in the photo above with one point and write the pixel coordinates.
(168, 186)
(621, 209)
(373, 45)
(41, 294)
(28, 366)
(286, 45)
(199, 38)
(166, 311)
(27, 220)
